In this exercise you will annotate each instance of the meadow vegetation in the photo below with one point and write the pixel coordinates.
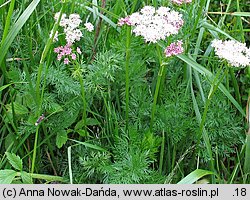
(120, 91)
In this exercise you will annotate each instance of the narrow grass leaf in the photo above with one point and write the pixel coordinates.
(44, 177)
(70, 166)
(6, 86)
(210, 76)
(195, 176)
(211, 27)
(241, 14)
(16, 28)
(4, 4)
(92, 146)
(247, 154)
(95, 9)
(110, 22)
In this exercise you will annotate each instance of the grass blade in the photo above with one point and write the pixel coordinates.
(247, 154)
(210, 77)
(213, 28)
(70, 166)
(241, 14)
(16, 28)
(195, 176)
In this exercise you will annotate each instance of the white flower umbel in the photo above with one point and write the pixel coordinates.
(179, 2)
(89, 26)
(70, 26)
(234, 52)
(154, 25)
(74, 21)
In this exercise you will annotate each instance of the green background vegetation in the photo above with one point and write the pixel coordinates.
(98, 129)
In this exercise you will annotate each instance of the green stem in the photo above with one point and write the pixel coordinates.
(38, 82)
(247, 153)
(34, 152)
(5, 33)
(162, 153)
(43, 57)
(70, 166)
(8, 20)
(248, 72)
(45, 177)
(154, 3)
(198, 16)
(158, 87)
(163, 81)
(84, 116)
(158, 84)
(134, 6)
(202, 131)
(128, 51)
(235, 85)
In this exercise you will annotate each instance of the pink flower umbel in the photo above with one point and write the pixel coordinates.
(123, 21)
(69, 52)
(57, 50)
(66, 61)
(73, 56)
(63, 50)
(59, 57)
(78, 50)
(174, 49)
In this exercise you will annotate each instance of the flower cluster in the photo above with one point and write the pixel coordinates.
(67, 53)
(72, 34)
(89, 26)
(70, 25)
(236, 53)
(179, 2)
(174, 48)
(152, 24)
(123, 21)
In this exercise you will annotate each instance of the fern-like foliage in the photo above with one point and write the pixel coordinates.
(224, 127)
(104, 68)
(130, 161)
(61, 83)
